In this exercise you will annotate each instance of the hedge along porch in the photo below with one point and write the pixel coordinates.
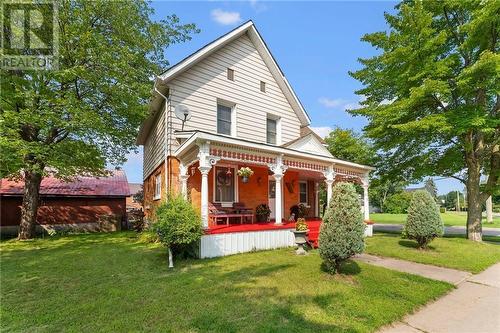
(205, 170)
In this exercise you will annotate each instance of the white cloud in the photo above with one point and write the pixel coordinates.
(340, 103)
(257, 6)
(226, 18)
(332, 103)
(322, 131)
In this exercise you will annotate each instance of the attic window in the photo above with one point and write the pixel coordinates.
(262, 86)
(230, 74)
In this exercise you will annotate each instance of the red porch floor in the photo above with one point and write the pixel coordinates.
(313, 234)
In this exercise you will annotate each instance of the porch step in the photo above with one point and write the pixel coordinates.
(313, 235)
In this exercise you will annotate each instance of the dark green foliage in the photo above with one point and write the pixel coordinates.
(424, 222)
(177, 223)
(397, 203)
(431, 96)
(342, 231)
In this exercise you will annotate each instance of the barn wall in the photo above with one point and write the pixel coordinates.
(66, 210)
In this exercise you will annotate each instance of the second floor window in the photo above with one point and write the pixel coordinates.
(271, 131)
(223, 119)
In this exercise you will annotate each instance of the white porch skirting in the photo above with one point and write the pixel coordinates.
(224, 244)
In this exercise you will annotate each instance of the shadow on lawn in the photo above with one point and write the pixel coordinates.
(414, 245)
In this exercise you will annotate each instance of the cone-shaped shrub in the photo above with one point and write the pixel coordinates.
(423, 223)
(342, 231)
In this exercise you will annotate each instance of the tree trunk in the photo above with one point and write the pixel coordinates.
(474, 204)
(29, 207)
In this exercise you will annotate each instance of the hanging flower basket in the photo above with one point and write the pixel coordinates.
(245, 173)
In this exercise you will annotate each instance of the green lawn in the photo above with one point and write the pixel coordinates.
(112, 283)
(452, 252)
(449, 219)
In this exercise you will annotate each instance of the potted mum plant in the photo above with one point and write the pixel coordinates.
(300, 233)
(245, 173)
(262, 212)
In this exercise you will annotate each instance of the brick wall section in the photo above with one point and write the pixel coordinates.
(53, 210)
(255, 192)
(149, 189)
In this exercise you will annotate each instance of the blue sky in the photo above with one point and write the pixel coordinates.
(315, 43)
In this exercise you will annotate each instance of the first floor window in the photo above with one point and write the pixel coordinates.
(224, 184)
(303, 192)
(157, 194)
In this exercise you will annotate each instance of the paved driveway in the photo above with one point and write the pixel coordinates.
(447, 230)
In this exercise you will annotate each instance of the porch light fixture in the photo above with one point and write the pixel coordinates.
(193, 170)
(228, 172)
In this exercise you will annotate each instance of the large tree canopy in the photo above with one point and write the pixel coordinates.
(85, 114)
(432, 95)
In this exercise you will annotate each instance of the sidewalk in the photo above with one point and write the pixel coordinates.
(447, 230)
(472, 307)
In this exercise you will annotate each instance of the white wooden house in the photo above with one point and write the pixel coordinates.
(243, 113)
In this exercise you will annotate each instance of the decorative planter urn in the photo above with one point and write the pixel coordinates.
(300, 240)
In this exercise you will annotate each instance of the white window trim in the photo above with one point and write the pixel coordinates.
(157, 188)
(307, 192)
(231, 105)
(278, 128)
(236, 193)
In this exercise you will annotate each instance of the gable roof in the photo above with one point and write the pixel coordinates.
(309, 143)
(249, 29)
(115, 185)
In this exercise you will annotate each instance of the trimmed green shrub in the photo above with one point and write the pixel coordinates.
(423, 223)
(342, 231)
(397, 203)
(177, 224)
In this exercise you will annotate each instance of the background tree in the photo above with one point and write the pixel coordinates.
(86, 114)
(432, 96)
(450, 200)
(430, 187)
(348, 145)
(342, 231)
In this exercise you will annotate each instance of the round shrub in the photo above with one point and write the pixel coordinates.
(424, 222)
(177, 223)
(342, 231)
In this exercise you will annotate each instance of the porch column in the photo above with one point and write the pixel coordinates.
(330, 178)
(278, 169)
(183, 175)
(206, 163)
(204, 195)
(366, 201)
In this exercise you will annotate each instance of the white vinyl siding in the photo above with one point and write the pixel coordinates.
(201, 86)
(154, 147)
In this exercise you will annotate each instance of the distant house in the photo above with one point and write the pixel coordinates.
(76, 205)
(132, 203)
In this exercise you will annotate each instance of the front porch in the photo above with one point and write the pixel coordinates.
(283, 178)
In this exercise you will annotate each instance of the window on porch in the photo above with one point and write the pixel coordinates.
(224, 184)
(303, 192)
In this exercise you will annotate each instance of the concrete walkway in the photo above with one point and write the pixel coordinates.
(449, 275)
(447, 230)
(474, 306)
